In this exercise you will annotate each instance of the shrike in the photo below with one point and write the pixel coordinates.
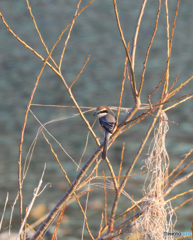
(107, 121)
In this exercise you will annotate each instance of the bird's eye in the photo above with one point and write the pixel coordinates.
(103, 111)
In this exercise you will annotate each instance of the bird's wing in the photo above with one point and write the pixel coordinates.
(108, 126)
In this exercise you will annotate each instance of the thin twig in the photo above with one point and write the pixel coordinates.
(43, 127)
(126, 223)
(135, 223)
(66, 196)
(23, 130)
(166, 84)
(149, 96)
(89, 178)
(68, 36)
(148, 49)
(54, 237)
(85, 217)
(5, 205)
(184, 159)
(188, 200)
(62, 32)
(122, 90)
(115, 203)
(183, 169)
(173, 28)
(52, 150)
(177, 182)
(79, 110)
(176, 78)
(125, 46)
(87, 137)
(101, 226)
(174, 105)
(174, 99)
(112, 174)
(105, 197)
(136, 33)
(36, 193)
(41, 38)
(26, 45)
(80, 72)
(179, 195)
(121, 163)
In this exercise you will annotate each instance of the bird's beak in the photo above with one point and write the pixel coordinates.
(94, 113)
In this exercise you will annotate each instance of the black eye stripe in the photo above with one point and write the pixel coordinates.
(103, 111)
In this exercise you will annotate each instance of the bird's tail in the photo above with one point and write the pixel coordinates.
(106, 141)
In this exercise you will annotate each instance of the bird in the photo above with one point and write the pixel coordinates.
(107, 122)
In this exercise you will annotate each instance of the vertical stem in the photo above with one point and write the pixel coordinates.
(126, 50)
(22, 134)
(168, 48)
(136, 33)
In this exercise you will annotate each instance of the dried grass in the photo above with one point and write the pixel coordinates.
(155, 220)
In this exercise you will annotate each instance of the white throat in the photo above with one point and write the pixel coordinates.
(101, 115)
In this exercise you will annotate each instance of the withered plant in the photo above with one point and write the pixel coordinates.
(153, 213)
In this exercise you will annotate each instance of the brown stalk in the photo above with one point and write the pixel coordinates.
(188, 200)
(77, 184)
(85, 217)
(124, 181)
(149, 96)
(174, 24)
(40, 36)
(179, 195)
(55, 155)
(185, 95)
(54, 236)
(5, 205)
(125, 46)
(80, 72)
(177, 182)
(122, 90)
(101, 226)
(148, 49)
(26, 45)
(166, 84)
(37, 54)
(105, 196)
(75, 195)
(85, 146)
(66, 196)
(68, 36)
(126, 223)
(184, 159)
(121, 163)
(183, 169)
(33, 92)
(176, 78)
(136, 34)
(89, 178)
(83, 193)
(135, 223)
(22, 134)
(174, 105)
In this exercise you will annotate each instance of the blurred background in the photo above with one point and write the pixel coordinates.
(95, 32)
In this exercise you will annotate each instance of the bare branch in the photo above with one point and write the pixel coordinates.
(177, 182)
(148, 49)
(5, 205)
(136, 33)
(125, 46)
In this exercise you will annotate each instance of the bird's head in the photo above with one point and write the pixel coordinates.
(101, 111)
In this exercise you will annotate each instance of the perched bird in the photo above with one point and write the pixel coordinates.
(107, 121)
